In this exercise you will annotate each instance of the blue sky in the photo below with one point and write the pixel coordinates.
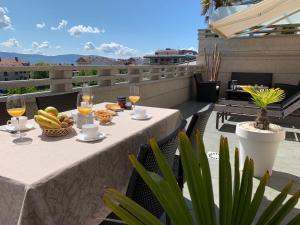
(115, 28)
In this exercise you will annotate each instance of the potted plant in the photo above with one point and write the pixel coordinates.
(259, 139)
(208, 91)
(236, 204)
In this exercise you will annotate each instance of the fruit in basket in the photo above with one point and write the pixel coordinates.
(47, 123)
(47, 120)
(62, 117)
(49, 116)
(51, 110)
(64, 125)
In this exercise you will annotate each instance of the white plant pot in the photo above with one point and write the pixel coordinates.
(259, 145)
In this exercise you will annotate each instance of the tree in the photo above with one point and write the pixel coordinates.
(40, 74)
(21, 90)
(83, 73)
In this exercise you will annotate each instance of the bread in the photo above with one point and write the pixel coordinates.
(113, 107)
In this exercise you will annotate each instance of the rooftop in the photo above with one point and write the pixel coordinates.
(12, 62)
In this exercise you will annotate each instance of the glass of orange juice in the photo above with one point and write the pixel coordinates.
(87, 93)
(84, 104)
(15, 106)
(134, 94)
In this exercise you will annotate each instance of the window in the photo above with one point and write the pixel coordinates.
(16, 73)
(5, 74)
(6, 79)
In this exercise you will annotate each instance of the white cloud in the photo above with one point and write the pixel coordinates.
(43, 45)
(58, 47)
(40, 25)
(117, 49)
(12, 42)
(192, 49)
(88, 46)
(80, 29)
(5, 21)
(62, 24)
(111, 48)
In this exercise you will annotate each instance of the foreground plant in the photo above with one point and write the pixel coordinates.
(236, 204)
(262, 98)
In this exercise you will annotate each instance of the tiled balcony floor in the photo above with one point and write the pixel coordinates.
(287, 165)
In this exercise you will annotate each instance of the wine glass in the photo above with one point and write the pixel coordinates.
(15, 106)
(134, 94)
(84, 104)
(87, 93)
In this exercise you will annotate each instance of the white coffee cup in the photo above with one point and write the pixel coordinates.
(14, 122)
(140, 112)
(90, 131)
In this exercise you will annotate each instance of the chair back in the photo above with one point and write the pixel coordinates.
(4, 116)
(137, 189)
(63, 102)
(198, 122)
(252, 78)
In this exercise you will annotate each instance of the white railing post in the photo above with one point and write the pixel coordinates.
(154, 70)
(170, 71)
(57, 75)
(190, 70)
(102, 73)
(134, 71)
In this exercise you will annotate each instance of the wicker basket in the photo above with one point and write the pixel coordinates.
(57, 132)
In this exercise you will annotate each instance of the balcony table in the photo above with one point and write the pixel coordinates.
(59, 181)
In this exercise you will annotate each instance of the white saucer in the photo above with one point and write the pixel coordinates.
(147, 117)
(28, 126)
(81, 137)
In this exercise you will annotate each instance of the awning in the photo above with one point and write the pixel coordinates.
(264, 13)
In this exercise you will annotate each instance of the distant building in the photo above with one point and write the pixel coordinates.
(132, 61)
(95, 61)
(20, 75)
(171, 56)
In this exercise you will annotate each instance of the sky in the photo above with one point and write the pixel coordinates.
(113, 28)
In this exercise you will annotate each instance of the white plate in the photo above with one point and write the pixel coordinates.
(28, 126)
(147, 117)
(81, 137)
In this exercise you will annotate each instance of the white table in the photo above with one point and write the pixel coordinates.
(59, 181)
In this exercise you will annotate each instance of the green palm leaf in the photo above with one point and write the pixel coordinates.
(236, 203)
(265, 97)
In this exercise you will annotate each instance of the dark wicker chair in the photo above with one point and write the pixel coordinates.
(198, 122)
(4, 116)
(137, 189)
(63, 102)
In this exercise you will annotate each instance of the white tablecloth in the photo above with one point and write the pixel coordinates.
(59, 181)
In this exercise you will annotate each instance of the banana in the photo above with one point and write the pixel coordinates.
(46, 123)
(49, 116)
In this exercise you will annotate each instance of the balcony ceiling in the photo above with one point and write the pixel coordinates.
(231, 21)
